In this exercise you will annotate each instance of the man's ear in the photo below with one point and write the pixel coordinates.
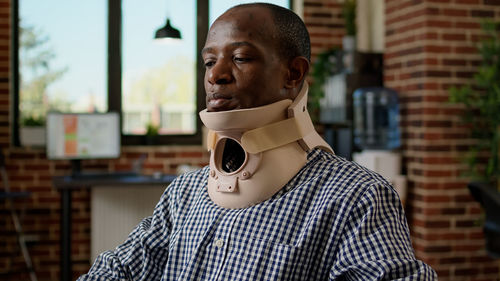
(298, 68)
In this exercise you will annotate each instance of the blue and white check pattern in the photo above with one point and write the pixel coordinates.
(333, 221)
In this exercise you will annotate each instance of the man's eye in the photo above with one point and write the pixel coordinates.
(241, 59)
(209, 63)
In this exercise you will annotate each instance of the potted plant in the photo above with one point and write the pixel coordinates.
(349, 15)
(152, 131)
(482, 104)
(349, 40)
(327, 64)
(32, 131)
(482, 109)
(333, 61)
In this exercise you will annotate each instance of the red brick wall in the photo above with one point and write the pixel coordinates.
(430, 45)
(324, 21)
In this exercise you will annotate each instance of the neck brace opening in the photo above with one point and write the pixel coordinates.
(254, 152)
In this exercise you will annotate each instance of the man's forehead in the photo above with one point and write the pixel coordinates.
(250, 11)
(247, 18)
(248, 22)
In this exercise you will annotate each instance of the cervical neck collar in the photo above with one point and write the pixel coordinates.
(254, 152)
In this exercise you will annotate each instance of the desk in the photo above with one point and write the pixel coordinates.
(66, 184)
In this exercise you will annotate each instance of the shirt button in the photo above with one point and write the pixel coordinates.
(219, 243)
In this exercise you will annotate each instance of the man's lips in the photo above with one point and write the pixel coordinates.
(218, 102)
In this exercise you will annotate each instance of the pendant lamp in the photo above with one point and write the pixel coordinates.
(168, 32)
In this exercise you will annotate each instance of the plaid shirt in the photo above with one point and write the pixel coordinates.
(333, 221)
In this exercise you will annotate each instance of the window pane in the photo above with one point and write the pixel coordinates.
(62, 56)
(158, 78)
(217, 7)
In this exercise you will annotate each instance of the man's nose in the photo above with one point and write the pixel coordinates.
(220, 73)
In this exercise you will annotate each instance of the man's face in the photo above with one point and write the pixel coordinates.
(242, 65)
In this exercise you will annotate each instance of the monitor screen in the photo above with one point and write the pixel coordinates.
(83, 135)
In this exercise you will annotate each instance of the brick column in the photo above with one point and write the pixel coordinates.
(430, 45)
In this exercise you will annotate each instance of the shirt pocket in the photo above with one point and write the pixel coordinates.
(256, 259)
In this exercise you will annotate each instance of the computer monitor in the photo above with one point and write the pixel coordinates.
(83, 135)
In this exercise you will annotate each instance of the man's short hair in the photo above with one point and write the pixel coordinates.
(291, 33)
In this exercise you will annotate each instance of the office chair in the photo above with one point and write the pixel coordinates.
(10, 197)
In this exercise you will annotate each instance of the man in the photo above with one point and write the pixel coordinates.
(308, 215)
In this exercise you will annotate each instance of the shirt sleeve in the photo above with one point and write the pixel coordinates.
(143, 254)
(376, 242)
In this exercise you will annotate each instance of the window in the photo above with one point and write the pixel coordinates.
(62, 62)
(98, 56)
(158, 79)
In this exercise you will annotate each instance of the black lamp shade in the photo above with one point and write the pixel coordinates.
(168, 32)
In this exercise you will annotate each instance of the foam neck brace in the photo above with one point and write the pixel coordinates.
(274, 142)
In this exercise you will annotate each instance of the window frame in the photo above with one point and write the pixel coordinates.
(15, 73)
(114, 74)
